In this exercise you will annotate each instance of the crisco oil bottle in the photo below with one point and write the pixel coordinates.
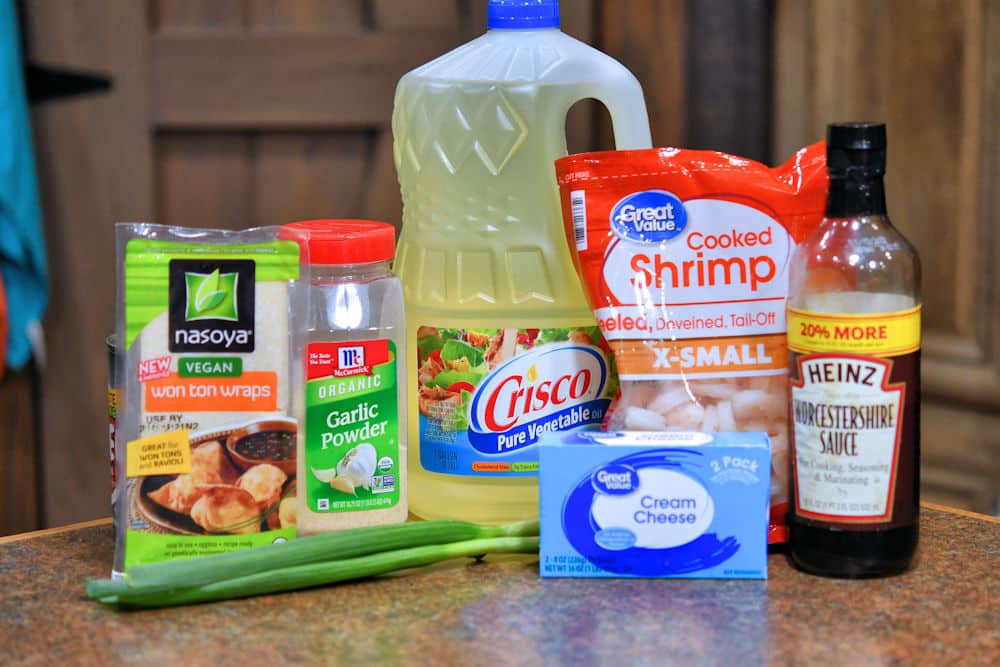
(502, 343)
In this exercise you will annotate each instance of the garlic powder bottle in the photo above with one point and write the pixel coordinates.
(352, 450)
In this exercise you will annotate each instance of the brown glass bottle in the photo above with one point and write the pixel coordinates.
(854, 343)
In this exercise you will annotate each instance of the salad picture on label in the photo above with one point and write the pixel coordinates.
(454, 362)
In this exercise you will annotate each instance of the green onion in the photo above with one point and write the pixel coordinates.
(318, 574)
(337, 546)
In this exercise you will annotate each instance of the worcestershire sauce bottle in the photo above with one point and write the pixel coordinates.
(854, 355)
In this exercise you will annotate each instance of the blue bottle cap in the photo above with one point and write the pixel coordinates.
(522, 14)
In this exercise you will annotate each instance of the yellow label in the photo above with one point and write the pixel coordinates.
(114, 400)
(877, 334)
(161, 454)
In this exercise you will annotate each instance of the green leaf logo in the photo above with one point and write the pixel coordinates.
(211, 296)
(208, 295)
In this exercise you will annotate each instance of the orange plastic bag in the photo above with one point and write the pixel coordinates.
(684, 256)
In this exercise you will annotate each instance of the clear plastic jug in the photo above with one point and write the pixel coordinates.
(502, 343)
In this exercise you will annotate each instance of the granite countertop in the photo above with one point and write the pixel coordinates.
(946, 611)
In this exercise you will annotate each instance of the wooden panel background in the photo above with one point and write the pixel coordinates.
(19, 478)
(931, 70)
(95, 167)
(231, 113)
(224, 113)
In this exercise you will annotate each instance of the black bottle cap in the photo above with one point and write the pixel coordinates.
(857, 149)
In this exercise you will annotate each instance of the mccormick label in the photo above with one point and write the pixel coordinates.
(487, 396)
(352, 426)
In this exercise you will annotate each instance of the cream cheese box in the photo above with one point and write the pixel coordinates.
(654, 504)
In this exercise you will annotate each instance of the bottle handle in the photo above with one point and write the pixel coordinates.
(614, 86)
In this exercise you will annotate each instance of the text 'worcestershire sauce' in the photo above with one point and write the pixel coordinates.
(854, 356)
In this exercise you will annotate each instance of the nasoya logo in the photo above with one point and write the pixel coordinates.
(211, 296)
(552, 388)
(211, 307)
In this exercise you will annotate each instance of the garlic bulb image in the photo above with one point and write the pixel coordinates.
(343, 484)
(358, 465)
(326, 476)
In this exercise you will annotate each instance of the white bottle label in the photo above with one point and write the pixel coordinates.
(847, 431)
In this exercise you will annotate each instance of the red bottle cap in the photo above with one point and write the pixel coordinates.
(347, 241)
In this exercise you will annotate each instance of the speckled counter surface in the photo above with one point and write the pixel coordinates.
(944, 612)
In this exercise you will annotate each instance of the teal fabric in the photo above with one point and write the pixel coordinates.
(22, 244)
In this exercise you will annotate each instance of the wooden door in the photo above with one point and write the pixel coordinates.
(224, 113)
(232, 113)
(931, 70)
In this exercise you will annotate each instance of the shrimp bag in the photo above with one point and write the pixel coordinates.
(684, 257)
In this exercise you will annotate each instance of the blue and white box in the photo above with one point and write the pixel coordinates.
(637, 504)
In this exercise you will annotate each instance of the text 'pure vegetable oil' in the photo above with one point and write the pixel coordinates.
(502, 344)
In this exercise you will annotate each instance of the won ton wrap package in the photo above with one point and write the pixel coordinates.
(206, 439)
(684, 257)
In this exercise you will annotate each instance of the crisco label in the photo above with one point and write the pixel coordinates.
(550, 389)
(486, 396)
